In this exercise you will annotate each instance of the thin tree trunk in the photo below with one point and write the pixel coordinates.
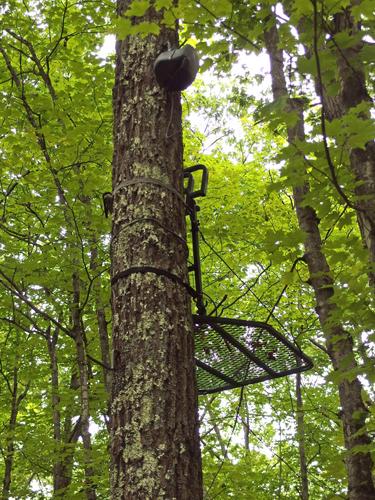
(246, 426)
(301, 440)
(219, 437)
(102, 322)
(353, 92)
(362, 160)
(155, 441)
(338, 341)
(84, 387)
(58, 478)
(70, 436)
(9, 454)
(64, 441)
(78, 332)
(9, 449)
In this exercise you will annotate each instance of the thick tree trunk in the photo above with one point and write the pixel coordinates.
(155, 441)
(301, 440)
(338, 341)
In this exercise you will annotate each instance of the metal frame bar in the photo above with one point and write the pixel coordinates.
(256, 380)
(196, 256)
(215, 321)
(215, 372)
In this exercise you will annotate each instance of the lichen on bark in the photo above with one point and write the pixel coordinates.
(155, 444)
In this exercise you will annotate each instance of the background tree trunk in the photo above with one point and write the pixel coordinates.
(338, 341)
(83, 370)
(17, 398)
(58, 466)
(301, 440)
(353, 92)
(155, 442)
(102, 331)
(362, 160)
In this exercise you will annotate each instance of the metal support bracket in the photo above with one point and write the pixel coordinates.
(192, 209)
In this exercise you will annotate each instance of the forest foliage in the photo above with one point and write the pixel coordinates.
(55, 164)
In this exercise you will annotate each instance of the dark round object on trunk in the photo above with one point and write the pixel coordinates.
(176, 69)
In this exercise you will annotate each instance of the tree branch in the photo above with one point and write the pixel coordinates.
(14, 290)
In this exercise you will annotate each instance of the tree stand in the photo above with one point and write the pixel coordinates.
(232, 352)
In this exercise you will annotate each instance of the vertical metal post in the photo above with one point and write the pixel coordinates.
(196, 257)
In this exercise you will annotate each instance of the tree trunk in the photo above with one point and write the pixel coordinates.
(84, 388)
(246, 426)
(220, 439)
(101, 319)
(353, 92)
(362, 160)
(58, 466)
(70, 436)
(9, 453)
(301, 440)
(9, 450)
(64, 469)
(338, 341)
(155, 441)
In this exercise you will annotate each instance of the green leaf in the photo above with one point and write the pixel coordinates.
(222, 7)
(306, 65)
(123, 27)
(346, 40)
(163, 4)
(146, 28)
(137, 8)
(169, 18)
(364, 9)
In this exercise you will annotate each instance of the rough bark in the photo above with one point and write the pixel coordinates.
(338, 341)
(301, 440)
(155, 441)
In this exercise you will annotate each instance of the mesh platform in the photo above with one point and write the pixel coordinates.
(232, 353)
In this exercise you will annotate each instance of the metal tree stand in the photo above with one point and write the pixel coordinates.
(232, 352)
